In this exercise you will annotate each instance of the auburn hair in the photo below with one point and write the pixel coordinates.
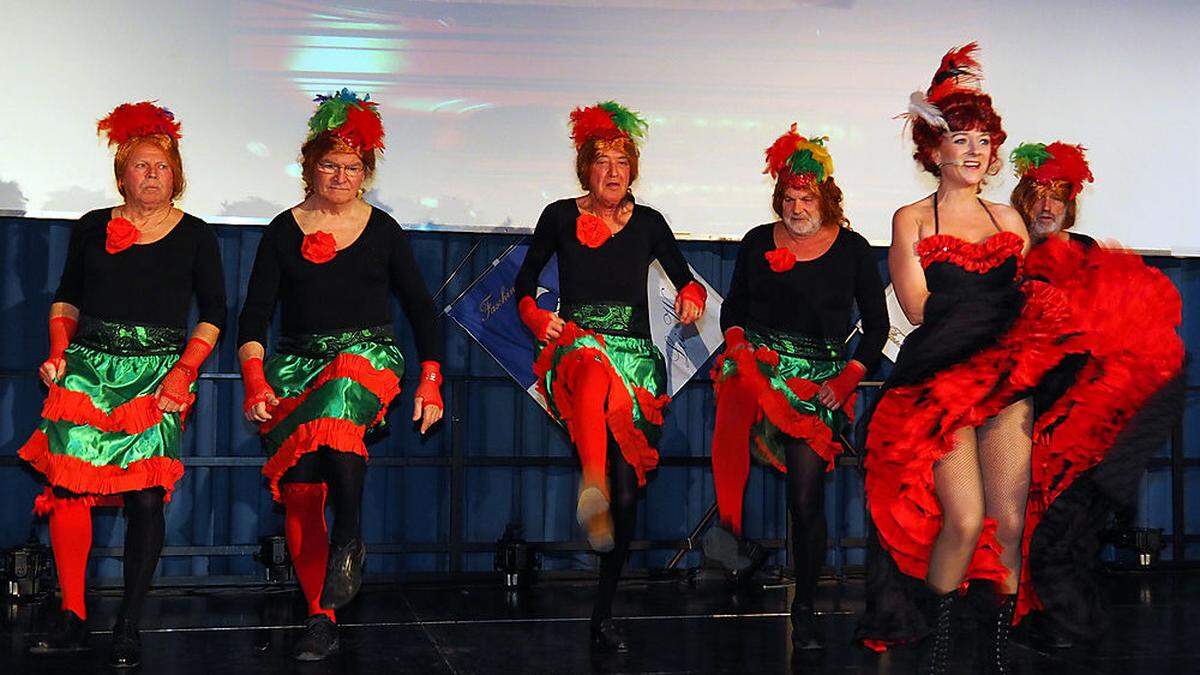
(592, 148)
(316, 148)
(827, 191)
(1028, 191)
(963, 111)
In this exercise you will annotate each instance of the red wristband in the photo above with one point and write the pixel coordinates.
(844, 383)
(62, 329)
(177, 385)
(429, 390)
(534, 317)
(694, 292)
(254, 381)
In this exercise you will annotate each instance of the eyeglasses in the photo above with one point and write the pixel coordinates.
(351, 170)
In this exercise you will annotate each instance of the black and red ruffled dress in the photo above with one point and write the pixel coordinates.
(998, 329)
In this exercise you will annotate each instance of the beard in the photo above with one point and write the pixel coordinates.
(1041, 228)
(803, 226)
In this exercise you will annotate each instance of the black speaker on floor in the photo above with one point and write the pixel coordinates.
(515, 558)
(273, 554)
(26, 571)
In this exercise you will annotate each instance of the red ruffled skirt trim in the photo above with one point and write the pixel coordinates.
(132, 417)
(381, 382)
(87, 480)
(774, 403)
(1130, 360)
(619, 415)
(913, 425)
(338, 434)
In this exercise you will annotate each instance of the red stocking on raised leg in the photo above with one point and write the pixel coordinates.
(737, 408)
(589, 390)
(71, 539)
(307, 539)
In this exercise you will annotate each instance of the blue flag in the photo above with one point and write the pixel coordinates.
(487, 310)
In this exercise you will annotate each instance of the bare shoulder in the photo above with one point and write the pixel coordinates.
(1008, 217)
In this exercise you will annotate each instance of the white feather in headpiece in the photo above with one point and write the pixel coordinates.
(919, 106)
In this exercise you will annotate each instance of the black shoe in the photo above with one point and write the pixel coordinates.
(935, 651)
(343, 574)
(319, 639)
(126, 645)
(741, 557)
(992, 657)
(66, 633)
(805, 635)
(606, 637)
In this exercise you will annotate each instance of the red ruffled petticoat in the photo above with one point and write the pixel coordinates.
(634, 445)
(774, 404)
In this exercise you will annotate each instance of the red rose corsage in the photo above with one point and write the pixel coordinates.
(318, 247)
(119, 235)
(781, 259)
(591, 230)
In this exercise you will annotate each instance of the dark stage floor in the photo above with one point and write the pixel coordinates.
(673, 628)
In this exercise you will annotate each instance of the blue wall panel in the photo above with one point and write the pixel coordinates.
(418, 517)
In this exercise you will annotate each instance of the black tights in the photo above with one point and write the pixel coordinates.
(345, 474)
(806, 506)
(623, 492)
(145, 529)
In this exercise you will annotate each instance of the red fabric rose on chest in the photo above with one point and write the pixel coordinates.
(591, 230)
(318, 247)
(781, 259)
(119, 235)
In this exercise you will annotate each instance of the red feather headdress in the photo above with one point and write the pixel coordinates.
(958, 71)
(606, 121)
(133, 120)
(1057, 161)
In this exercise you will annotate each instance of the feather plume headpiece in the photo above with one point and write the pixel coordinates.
(958, 71)
(134, 120)
(606, 121)
(353, 120)
(805, 161)
(1057, 161)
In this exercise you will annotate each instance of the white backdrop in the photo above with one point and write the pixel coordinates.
(475, 97)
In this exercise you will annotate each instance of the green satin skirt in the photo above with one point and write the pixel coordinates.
(101, 431)
(637, 383)
(785, 371)
(333, 389)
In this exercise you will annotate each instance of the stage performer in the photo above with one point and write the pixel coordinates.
(785, 390)
(950, 488)
(600, 373)
(122, 370)
(1126, 397)
(332, 262)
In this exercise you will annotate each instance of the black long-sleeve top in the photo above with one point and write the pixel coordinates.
(145, 284)
(616, 272)
(349, 292)
(814, 298)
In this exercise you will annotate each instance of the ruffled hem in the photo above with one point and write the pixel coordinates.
(774, 403)
(1127, 366)
(83, 478)
(45, 503)
(979, 257)
(913, 425)
(619, 414)
(381, 382)
(338, 434)
(132, 417)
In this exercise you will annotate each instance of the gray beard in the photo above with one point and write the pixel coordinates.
(1041, 231)
(803, 228)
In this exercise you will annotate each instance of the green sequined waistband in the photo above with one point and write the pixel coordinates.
(127, 339)
(321, 345)
(605, 317)
(794, 344)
